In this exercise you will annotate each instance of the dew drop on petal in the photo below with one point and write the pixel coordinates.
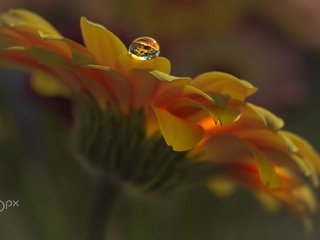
(144, 48)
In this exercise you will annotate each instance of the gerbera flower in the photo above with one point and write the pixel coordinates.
(154, 133)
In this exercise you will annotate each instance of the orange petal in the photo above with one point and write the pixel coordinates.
(145, 86)
(119, 86)
(225, 148)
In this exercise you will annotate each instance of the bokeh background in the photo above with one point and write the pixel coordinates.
(273, 44)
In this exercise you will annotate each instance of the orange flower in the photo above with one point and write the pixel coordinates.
(158, 132)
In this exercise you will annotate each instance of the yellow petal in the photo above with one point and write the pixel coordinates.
(221, 187)
(227, 115)
(196, 91)
(268, 202)
(267, 117)
(162, 76)
(225, 84)
(158, 63)
(307, 153)
(305, 195)
(47, 85)
(267, 171)
(26, 20)
(303, 146)
(102, 43)
(179, 134)
(289, 143)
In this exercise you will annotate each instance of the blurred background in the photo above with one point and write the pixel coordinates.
(273, 44)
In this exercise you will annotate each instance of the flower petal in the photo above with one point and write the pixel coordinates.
(102, 43)
(179, 134)
(47, 56)
(307, 153)
(145, 87)
(47, 85)
(227, 115)
(267, 117)
(222, 187)
(163, 76)
(267, 171)
(29, 21)
(119, 86)
(224, 83)
(268, 202)
(197, 91)
(158, 63)
(225, 148)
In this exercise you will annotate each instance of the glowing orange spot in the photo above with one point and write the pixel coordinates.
(209, 123)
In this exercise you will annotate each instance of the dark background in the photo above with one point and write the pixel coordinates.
(273, 45)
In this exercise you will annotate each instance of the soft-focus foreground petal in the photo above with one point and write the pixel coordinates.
(293, 192)
(47, 85)
(27, 20)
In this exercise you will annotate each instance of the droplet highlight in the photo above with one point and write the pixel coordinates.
(144, 48)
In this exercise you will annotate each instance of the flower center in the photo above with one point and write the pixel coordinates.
(116, 145)
(144, 48)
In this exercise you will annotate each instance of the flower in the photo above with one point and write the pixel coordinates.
(157, 133)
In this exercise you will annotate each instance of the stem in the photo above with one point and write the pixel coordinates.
(104, 198)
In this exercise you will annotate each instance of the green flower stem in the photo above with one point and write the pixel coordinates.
(104, 198)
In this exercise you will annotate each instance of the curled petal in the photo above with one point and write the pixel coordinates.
(225, 84)
(268, 117)
(306, 154)
(267, 171)
(179, 134)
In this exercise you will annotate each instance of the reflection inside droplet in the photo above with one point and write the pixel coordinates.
(144, 48)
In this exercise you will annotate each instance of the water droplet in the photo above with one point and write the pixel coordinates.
(144, 48)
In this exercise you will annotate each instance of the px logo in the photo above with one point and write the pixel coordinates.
(8, 204)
